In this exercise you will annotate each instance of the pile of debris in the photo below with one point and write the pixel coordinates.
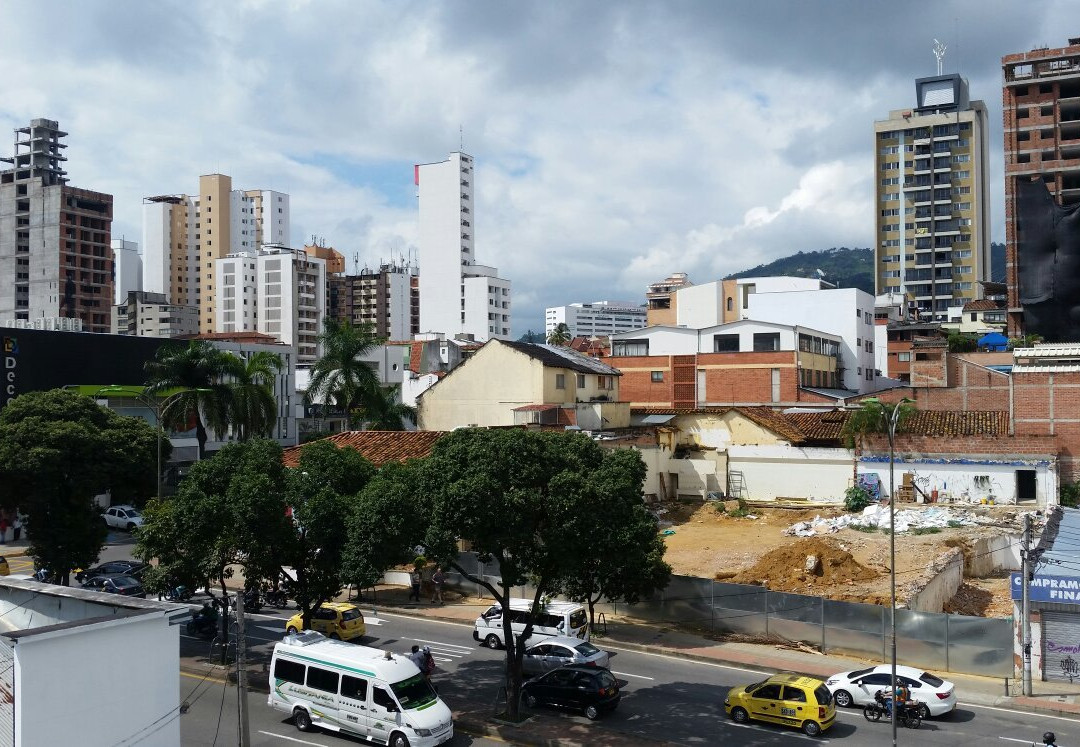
(877, 517)
(804, 564)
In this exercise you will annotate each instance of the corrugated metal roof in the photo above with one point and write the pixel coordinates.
(557, 356)
(650, 419)
(1063, 350)
(1047, 368)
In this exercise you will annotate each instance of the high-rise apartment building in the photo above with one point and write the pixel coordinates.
(184, 234)
(1041, 112)
(457, 295)
(382, 298)
(278, 291)
(55, 253)
(931, 177)
(596, 319)
(143, 314)
(127, 269)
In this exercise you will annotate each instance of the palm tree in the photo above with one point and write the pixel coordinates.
(253, 407)
(384, 410)
(560, 335)
(340, 375)
(197, 372)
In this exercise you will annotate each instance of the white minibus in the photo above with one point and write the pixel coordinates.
(555, 618)
(376, 695)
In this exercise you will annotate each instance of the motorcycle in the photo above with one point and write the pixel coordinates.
(204, 623)
(178, 593)
(276, 598)
(252, 601)
(908, 713)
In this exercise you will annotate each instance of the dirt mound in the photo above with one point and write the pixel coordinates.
(785, 568)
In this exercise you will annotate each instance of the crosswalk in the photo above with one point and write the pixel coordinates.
(445, 652)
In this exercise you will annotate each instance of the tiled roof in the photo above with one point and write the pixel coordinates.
(932, 423)
(981, 304)
(775, 421)
(378, 447)
(557, 356)
(416, 354)
(819, 426)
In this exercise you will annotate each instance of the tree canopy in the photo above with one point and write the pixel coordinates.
(532, 501)
(341, 376)
(59, 449)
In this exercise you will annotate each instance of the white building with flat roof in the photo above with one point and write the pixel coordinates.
(457, 294)
(596, 319)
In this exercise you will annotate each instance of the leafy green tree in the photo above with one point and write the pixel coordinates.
(58, 449)
(384, 410)
(198, 371)
(560, 335)
(341, 376)
(626, 561)
(252, 404)
(875, 417)
(960, 342)
(385, 524)
(525, 499)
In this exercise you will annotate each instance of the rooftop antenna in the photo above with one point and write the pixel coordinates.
(355, 261)
(939, 52)
(461, 138)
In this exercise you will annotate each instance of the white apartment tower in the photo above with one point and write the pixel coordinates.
(127, 269)
(596, 319)
(184, 234)
(457, 295)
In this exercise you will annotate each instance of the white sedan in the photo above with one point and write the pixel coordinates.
(123, 517)
(857, 688)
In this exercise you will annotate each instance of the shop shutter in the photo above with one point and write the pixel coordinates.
(1061, 646)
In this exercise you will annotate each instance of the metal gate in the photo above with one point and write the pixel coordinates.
(1061, 646)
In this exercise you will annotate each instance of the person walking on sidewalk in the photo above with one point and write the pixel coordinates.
(414, 580)
(437, 580)
(3, 529)
(16, 528)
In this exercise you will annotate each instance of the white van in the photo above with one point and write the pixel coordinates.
(557, 618)
(359, 690)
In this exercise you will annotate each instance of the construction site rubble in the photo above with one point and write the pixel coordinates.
(877, 517)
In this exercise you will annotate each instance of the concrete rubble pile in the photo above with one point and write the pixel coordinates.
(877, 516)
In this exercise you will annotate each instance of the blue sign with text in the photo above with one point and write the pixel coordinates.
(1061, 589)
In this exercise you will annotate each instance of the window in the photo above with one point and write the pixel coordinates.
(730, 303)
(605, 382)
(381, 697)
(794, 694)
(290, 671)
(772, 692)
(765, 342)
(903, 357)
(725, 343)
(581, 381)
(322, 679)
(657, 377)
(629, 347)
(560, 381)
(353, 688)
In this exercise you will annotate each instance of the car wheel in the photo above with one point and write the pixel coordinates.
(843, 698)
(811, 728)
(397, 739)
(739, 715)
(530, 700)
(924, 711)
(131, 527)
(335, 637)
(291, 629)
(493, 642)
(592, 713)
(302, 720)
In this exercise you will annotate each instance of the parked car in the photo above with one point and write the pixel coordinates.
(857, 688)
(787, 699)
(334, 620)
(123, 517)
(123, 585)
(560, 651)
(579, 687)
(112, 568)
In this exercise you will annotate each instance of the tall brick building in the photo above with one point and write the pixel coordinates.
(1041, 112)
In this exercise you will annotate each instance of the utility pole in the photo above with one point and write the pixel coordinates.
(241, 672)
(1025, 605)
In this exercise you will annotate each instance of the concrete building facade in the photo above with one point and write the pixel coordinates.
(932, 192)
(457, 294)
(596, 319)
(382, 298)
(146, 314)
(1041, 113)
(55, 240)
(127, 269)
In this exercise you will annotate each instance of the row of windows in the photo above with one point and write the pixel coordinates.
(606, 383)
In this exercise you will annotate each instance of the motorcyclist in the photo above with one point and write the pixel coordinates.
(207, 617)
(1049, 740)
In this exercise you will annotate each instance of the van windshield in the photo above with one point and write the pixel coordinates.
(414, 692)
(578, 619)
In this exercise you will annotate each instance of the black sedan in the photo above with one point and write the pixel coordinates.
(123, 585)
(578, 687)
(112, 568)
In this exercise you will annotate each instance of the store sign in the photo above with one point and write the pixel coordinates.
(1061, 589)
(10, 352)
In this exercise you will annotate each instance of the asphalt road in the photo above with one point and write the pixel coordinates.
(665, 698)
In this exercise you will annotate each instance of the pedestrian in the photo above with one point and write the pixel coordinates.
(429, 663)
(3, 528)
(414, 579)
(417, 658)
(437, 580)
(16, 527)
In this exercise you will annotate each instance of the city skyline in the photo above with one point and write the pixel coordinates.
(612, 143)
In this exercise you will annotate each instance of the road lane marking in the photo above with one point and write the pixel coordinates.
(815, 740)
(1013, 712)
(718, 665)
(290, 739)
(218, 680)
(414, 618)
(466, 649)
(627, 674)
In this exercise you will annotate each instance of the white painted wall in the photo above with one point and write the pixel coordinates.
(700, 305)
(106, 684)
(784, 471)
(665, 340)
(441, 247)
(399, 304)
(978, 479)
(275, 217)
(128, 269)
(746, 331)
(156, 237)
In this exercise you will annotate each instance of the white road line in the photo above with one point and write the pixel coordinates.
(290, 739)
(689, 661)
(1014, 712)
(627, 674)
(414, 618)
(1014, 739)
(467, 649)
(815, 740)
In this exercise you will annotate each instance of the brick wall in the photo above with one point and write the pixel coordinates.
(636, 385)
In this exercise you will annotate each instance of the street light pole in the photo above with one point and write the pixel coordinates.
(892, 419)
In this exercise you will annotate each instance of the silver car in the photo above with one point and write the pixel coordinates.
(552, 653)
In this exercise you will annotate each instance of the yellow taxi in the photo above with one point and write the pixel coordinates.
(334, 620)
(788, 699)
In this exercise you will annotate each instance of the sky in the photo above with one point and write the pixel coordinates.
(614, 142)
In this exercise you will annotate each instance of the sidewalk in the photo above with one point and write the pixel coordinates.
(474, 716)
